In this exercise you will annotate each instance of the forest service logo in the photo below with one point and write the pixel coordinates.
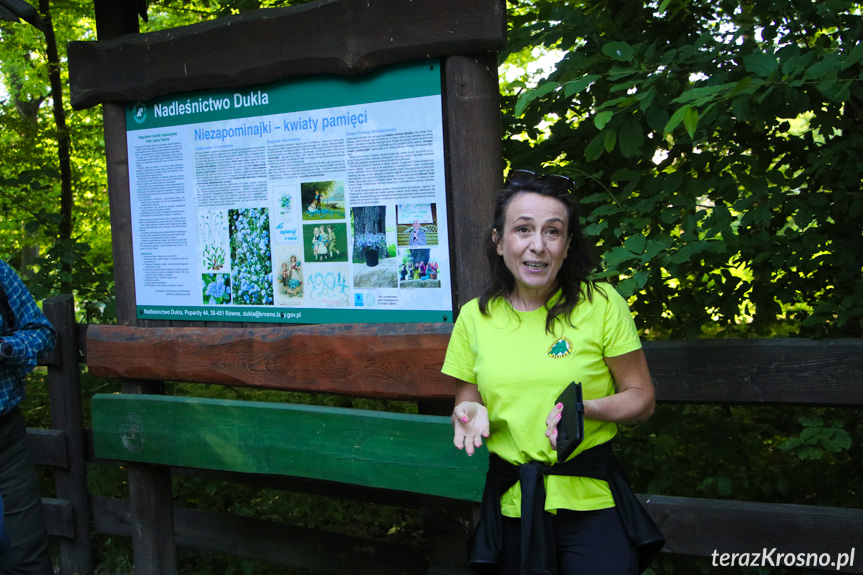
(559, 349)
(139, 113)
(132, 432)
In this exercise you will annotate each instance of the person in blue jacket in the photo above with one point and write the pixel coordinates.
(25, 337)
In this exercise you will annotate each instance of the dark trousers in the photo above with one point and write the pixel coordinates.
(588, 543)
(19, 486)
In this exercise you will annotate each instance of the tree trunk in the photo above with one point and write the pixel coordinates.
(64, 145)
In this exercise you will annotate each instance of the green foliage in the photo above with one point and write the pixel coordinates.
(714, 145)
(716, 149)
(30, 187)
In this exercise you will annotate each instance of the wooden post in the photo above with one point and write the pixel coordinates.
(154, 550)
(64, 390)
(475, 159)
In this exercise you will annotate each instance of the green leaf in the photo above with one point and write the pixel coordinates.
(620, 51)
(826, 68)
(601, 119)
(853, 57)
(675, 119)
(617, 256)
(724, 485)
(610, 140)
(626, 288)
(595, 148)
(741, 85)
(576, 86)
(809, 453)
(654, 248)
(690, 121)
(760, 63)
(811, 421)
(631, 138)
(526, 98)
(635, 243)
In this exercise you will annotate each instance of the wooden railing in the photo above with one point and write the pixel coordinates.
(297, 446)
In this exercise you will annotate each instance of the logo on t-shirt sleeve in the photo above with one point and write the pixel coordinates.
(560, 348)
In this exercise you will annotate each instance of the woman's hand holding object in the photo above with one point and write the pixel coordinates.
(551, 424)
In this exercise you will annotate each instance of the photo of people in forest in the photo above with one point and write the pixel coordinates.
(323, 200)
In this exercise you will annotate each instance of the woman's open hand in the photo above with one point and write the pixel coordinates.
(470, 422)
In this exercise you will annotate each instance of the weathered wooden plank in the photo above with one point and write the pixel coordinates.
(70, 481)
(395, 361)
(271, 541)
(758, 371)
(343, 37)
(59, 518)
(475, 161)
(701, 526)
(120, 203)
(48, 447)
(401, 361)
(405, 452)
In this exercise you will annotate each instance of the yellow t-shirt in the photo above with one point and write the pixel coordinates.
(520, 370)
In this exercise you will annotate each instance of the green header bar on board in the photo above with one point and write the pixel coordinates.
(411, 80)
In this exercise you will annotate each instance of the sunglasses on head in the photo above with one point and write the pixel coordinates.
(520, 178)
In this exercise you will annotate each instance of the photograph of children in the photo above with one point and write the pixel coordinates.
(288, 277)
(323, 200)
(419, 268)
(416, 225)
(325, 242)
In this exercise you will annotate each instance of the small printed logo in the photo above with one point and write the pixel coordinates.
(370, 300)
(132, 432)
(358, 300)
(139, 113)
(559, 349)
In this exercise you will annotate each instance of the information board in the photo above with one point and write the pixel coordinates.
(320, 200)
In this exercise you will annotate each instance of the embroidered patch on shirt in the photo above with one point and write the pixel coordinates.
(560, 348)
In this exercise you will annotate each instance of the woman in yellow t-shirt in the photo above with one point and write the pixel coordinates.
(539, 324)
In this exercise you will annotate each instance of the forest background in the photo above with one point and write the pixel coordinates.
(716, 149)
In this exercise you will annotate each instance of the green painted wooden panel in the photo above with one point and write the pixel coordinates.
(377, 449)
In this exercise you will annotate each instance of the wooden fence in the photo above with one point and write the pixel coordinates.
(402, 362)
(381, 361)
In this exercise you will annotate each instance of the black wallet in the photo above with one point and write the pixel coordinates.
(570, 428)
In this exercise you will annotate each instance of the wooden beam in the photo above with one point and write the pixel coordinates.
(343, 37)
(701, 526)
(475, 161)
(59, 517)
(402, 361)
(48, 447)
(412, 453)
(64, 390)
(393, 361)
(758, 371)
(271, 541)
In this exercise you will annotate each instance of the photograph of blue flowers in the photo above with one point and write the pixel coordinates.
(251, 258)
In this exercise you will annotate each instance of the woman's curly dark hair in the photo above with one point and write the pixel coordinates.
(580, 262)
